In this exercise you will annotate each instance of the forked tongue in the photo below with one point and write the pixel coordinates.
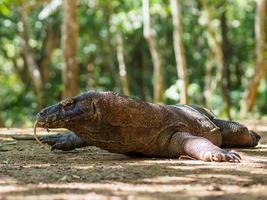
(35, 135)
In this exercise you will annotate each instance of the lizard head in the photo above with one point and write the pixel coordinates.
(235, 128)
(69, 113)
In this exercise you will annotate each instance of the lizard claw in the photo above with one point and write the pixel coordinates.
(221, 155)
(64, 146)
(59, 141)
(51, 139)
(64, 142)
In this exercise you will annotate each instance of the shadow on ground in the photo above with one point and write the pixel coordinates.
(28, 171)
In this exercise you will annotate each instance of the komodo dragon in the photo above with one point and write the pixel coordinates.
(123, 125)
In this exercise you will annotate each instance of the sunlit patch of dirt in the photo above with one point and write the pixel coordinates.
(28, 171)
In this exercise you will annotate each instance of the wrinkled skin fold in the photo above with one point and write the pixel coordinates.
(123, 125)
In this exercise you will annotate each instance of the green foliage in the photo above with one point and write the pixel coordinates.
(18, 104)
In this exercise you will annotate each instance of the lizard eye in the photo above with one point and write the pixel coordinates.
(67, 103)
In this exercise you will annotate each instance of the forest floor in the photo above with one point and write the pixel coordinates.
(29, 171)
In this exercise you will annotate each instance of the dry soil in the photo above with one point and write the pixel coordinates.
(29, 171)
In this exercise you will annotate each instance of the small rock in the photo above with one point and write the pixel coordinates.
(216, 188)
(6, 161)
(10, 143)
(2, 149)
(76, 176)
(63, 178)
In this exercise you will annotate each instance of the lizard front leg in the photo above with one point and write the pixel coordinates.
(64, 141)
(183, 143)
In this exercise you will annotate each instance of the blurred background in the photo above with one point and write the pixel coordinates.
(210, 53)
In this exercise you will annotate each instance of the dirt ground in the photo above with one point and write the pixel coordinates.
(29, 171)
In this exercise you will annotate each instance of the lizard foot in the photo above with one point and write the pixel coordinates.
(221, 155)
(64, 142)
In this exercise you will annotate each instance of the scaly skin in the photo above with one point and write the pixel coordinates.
(123, 125)
(233, 134)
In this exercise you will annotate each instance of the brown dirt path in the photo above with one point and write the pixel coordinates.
(28, 171)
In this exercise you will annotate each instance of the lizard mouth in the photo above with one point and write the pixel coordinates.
(46, 120)
(40, 123)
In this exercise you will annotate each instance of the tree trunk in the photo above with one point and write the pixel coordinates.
(219, 59)
(149, 35)
(90, 70)
(226, 48)
(137, 63)
(210, 83)
(69, 47)
(179, 50)
(1, 122)
(261, 65)
(238, 74)
(21, 70)
(122, 66)
(50, 46)
(108, 9)
(32, 66)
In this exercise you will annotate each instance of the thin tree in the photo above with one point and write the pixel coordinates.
(149, 35)
(110, 64)
(226, 48)
(1, 122)
(69, 48)
(50, 46)
(122, 66)
(261, 64)
(34, 71)
(210, 81)
(179, 50)
(218, 52)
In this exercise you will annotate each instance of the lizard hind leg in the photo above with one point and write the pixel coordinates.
(183, 143)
